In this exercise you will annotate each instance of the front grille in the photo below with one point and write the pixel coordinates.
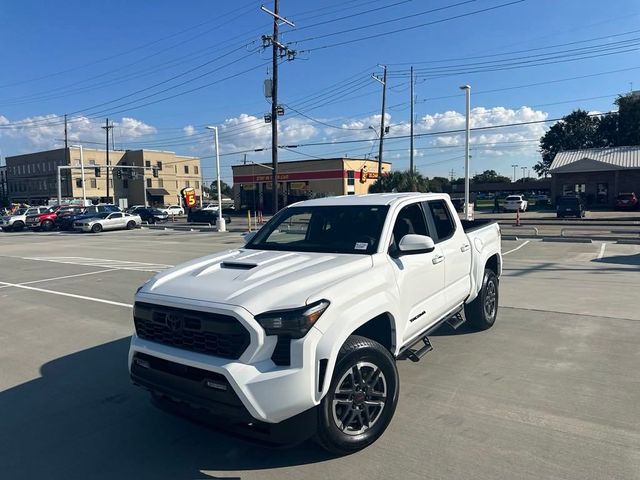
(202, 332)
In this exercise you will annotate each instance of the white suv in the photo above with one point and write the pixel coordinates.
(18, 219)
(515, 202)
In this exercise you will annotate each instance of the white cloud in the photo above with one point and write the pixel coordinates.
(47, 131)
(189, 130)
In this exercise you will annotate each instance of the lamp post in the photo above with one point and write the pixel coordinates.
(221, 223)
(84, 191)
(467, 89)
(514, 172)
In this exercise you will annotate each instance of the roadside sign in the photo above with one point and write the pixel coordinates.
(188, 196)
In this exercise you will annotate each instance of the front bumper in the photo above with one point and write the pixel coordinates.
(267, 392)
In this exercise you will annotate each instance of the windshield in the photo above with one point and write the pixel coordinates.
(513, 197)
(330, 229)
(20, 211)
(568, 202)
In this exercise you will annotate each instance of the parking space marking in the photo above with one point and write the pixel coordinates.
(64, 294)
(517, 248)
(104, 270)
(103, 262)
(601, 252)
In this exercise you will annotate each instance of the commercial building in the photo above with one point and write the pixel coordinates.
(538, 187)
(33, 177)
(301, 180)
(3, 185)
(598, 175)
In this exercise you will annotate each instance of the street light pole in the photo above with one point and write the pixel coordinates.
(467, 90)
(221, 222)
(84, 191)
(514, 172)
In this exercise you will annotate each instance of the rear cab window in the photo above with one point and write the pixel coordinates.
(440, 216)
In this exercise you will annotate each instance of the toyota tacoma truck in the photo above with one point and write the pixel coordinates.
(297, 333)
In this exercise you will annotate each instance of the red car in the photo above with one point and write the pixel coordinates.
(46, 221)
(627, 201)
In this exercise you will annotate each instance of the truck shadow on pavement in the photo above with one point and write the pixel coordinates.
(83, 419)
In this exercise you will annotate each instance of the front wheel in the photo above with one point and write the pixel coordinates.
(482, 311)
(362, 397)
(17, 226)
(97, 228)
(47, 226)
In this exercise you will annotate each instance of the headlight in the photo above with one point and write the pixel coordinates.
(293, 323)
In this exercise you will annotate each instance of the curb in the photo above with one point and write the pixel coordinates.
(567, 239)
(628, 241)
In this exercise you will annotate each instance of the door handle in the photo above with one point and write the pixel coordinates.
(465, 247)
(437, 259)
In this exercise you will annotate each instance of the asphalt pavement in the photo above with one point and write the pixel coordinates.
(551, 392)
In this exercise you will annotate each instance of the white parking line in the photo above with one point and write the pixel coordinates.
(69, 276)
(72, 295)
(601, 252)
(517, 248)
(104, 263)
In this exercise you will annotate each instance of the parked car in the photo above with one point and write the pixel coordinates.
(108, 221)
(298, 332)
(569, 206)
(151, 215)
(206, 216)
(627, 201)
(66, 219)
(515, 202)
(133, 208)
(46, 220)
(17, 220)
(173, 210)
(458, 204)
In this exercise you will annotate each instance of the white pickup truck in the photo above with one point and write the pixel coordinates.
(298, 332)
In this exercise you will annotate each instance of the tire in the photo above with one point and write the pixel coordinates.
(131, 225)
(359, 357)
(97, 228)
(482, 311)
(47, 226)
(17, 226)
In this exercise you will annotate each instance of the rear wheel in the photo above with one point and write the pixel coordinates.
(97, 228)
(131, 225)
(362, 397)
(481, 313)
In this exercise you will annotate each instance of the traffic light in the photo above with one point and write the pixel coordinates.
(98, 171)
(118, 172)
(154, 170)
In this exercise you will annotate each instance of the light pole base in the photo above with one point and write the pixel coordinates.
(222, 225)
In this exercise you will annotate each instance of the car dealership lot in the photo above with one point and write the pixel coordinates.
(550, 392)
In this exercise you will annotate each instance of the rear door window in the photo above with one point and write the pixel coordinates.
(441, 218)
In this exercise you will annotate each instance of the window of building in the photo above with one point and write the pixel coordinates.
(93, 183)
(351, 177)
(125, 183)
(187, 184)
(159, 164)
(175, 169)
(602, 193)
(197, 184)
(147, 163)
(195, 169)
(148, 183)
(92, 162)
(79, 182)
(186, 169)
(160, 182)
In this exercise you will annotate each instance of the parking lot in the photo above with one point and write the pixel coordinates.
(551, 392)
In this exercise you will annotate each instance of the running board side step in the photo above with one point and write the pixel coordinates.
(456, 320)
(416, 354)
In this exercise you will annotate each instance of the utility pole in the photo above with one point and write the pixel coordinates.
(384, 100)
(411, 141)
(524, 170)
(451, 174)
(66, 141)
(106, 128)
(514, 172)
(467, 90)
(278, 51)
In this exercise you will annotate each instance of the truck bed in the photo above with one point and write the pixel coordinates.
(471, 225)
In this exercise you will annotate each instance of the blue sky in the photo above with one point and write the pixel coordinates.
(136, 62)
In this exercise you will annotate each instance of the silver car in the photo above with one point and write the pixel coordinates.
(108, 221)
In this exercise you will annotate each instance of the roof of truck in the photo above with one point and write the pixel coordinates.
(370, 199)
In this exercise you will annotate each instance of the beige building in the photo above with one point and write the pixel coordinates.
(303, 179)
(32, 178)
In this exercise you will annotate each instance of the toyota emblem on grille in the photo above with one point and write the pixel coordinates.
(174, 323)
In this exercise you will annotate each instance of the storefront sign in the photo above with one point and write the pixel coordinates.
(298, 185)
(188, 196)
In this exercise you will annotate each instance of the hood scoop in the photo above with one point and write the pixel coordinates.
(238, 265)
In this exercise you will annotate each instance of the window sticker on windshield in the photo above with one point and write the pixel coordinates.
(361, 246)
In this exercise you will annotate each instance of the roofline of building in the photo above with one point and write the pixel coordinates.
(635, 147)
(103, 150)
(314, 160)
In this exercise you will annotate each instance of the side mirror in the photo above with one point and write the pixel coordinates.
(248, 236)
(413, 244)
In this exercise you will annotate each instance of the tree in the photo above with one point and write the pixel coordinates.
(575, 131)
(226, 190)
(400, 181)
(628, 120)
(490, 176)
(439, 185)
